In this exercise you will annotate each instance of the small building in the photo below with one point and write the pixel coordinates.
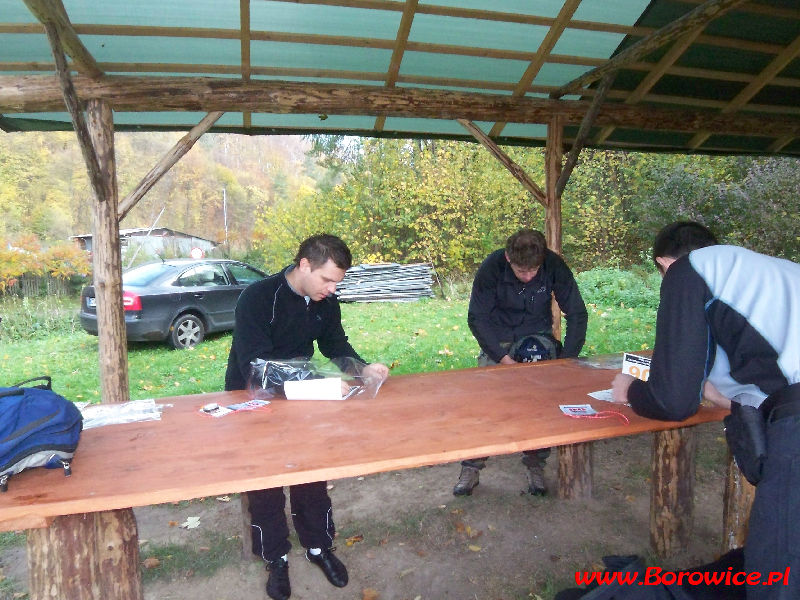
(160, 241)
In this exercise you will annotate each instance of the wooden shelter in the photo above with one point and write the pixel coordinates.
(712, 76)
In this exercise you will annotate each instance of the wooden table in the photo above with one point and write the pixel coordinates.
(415, 420)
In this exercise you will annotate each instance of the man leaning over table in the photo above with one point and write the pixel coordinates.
(728, 328)
(511, 317)
(280, 317)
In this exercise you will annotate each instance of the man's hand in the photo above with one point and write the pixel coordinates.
(619, 388)
(507, 360)
(713, 395)
(377, 370)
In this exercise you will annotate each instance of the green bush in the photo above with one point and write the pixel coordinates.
(613, 287)
(38, 317)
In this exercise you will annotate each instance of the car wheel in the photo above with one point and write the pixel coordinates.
(186, 331)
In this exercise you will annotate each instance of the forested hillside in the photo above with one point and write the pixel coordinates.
(448, 203)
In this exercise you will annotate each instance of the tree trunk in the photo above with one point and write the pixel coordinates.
(672, 490)
(738, 500)
(92, 556)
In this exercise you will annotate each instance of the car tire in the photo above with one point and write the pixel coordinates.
(186, 332)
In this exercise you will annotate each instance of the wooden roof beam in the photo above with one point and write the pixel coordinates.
(399, 49)
(51, 13)
(41, 93)
(696, 18)
(166, 163)
(656, 73)
(513, 168)
(547, 45)
(775, 66)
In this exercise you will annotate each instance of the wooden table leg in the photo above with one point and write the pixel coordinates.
(575, 471)
(738, 499)
(93, 556)
(672, 490)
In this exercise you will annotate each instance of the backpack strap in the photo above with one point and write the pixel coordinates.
(48, 385)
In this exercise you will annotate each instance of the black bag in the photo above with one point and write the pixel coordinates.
(746, 433)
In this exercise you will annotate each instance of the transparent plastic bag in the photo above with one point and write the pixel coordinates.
(268, 377)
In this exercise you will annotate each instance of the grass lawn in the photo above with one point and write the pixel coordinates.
(43, 338)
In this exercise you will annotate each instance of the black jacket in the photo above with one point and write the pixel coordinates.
(273, 321)
(727, 314)
(503, 309)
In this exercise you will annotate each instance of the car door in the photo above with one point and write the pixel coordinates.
(206, 288)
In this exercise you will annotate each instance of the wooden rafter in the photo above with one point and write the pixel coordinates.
(583, 133)
(513, 168)
(698, 17)
(657, 72)
(40, 93)
(52, 15)
(244, 26)
(764, 77)
(397, 52)
(549, 41)
(166, 163)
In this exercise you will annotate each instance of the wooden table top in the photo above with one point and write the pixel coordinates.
(415, 420)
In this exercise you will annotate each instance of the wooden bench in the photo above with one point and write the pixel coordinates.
(415, 420)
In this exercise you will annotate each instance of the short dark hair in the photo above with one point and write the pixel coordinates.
(680, 238)
(321, 247)
(526, 248)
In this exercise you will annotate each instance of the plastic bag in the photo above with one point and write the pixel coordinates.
(267, 377)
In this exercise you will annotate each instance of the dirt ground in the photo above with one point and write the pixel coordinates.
(422, 543)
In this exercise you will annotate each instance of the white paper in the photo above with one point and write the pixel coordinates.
(636, 366)
(329, 388)
(577, 410)
(604, 395)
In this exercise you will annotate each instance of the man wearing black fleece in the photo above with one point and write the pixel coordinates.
(280, 317)
(728, 328)
(510, 315)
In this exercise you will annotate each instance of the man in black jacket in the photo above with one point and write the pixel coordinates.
(728, 328)
(510, 315)
(280, 317)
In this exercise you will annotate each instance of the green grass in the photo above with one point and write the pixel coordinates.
(429, 335)
(175, 560)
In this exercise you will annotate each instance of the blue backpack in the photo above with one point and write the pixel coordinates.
(38, 428)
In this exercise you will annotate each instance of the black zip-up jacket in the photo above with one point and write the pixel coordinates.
(729, 315)
(274, 321)
(503, 309)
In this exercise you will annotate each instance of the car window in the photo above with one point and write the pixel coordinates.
(146, 274)
(243, 274)
(202, 275)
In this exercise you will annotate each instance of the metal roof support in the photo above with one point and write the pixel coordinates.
(698, 17)
(167, 162)
(513, 168)
(583, 132)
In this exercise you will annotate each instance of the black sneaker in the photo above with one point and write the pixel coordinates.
(333, 568)
(278, 587)
(467, 481)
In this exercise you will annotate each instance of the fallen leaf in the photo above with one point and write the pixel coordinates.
(456, 511)
(406, 572)
(474, 548)
(422, 553)
(459, 527)
(369, 594)
(224, 498)
(329, 486)
(354, 539)
(383, 542)
(151, 562)
(191, 523)
(203, 549)
(173, 523)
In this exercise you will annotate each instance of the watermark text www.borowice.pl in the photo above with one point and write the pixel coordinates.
(657, 576)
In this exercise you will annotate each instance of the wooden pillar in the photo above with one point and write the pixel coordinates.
(96, 556)
(575, 460)
(672, 490)
(92, 556)
(738, 499)
(575, 471)
(107, 262)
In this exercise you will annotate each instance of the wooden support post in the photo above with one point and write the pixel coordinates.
(737, 501)
(575, 471)
(247, 530)
(672, 490)
(92, 556)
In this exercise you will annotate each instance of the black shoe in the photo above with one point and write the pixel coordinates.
(333, 568)
(536, 484)
(467, 481)
(278, 587)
